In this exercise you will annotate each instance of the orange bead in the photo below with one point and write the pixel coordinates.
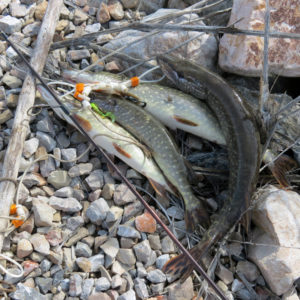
(79, 87)
(135, 81)
(13, 209)
(17, 223)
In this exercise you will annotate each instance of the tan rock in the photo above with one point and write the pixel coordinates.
(61, 25)
(40, 10)
(24, 248)
(103, 15)
(116, 11)
(79, 16)
(242, 54)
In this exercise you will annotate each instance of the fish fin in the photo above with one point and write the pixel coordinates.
(121, 150)
(109, 167)
(185, 121)
(196, 214)
(160, 189)
(192, 177)
(279, 168)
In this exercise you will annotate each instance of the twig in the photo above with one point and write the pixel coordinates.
(265, 74)
(281, 153)
(121, 56)
(85, 39)
(26, 100)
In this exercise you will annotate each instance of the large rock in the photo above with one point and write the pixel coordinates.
(242, 54)
(202, 49)
(278, 214)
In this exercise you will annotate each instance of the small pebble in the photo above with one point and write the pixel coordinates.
(145, 223)
(128, 232)
(40, 244)
(69, 205)
(123, 195)
(102, 284)
(249, 269)
(156, 276)
(97, 211)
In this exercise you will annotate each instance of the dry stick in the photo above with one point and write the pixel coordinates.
(265, 79)
(210, 29)
(265, 73)
(188, 10)
(26, 100)
(85, 39)
(128, 183)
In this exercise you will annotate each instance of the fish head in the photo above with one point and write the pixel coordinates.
(177, 70)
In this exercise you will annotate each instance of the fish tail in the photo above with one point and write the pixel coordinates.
(280, 167)
(195, 214)
(182, 265)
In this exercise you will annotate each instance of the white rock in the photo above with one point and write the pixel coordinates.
(277, 212)
(69, 205)
(30, 146)
(43, 213)
(290, 295)
(4, 4)
(40, 244)
(242, 54)
(279, 266)
(10, 24)
(202, 49)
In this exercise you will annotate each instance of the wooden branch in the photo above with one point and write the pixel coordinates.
(26, 100)
(85, 39)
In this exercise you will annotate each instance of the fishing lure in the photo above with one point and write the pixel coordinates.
(97, 110)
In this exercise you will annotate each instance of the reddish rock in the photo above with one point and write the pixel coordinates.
(145, 223)
(29, 266)
(54, 237)
(242, 54)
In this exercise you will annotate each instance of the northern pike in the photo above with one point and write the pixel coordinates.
(172, 107)
(178, 110)
(243, 143)
(111, 137)
(156, 137)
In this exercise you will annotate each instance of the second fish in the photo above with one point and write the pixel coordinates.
(163, 149)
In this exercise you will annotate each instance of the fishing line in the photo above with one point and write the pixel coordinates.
(128, 183)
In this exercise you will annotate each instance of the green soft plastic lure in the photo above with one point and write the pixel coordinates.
(97, 110)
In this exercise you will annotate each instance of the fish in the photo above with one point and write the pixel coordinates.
(244, 150)
(171, 107)
(163, 149)
(178, 110)
(112, 138)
